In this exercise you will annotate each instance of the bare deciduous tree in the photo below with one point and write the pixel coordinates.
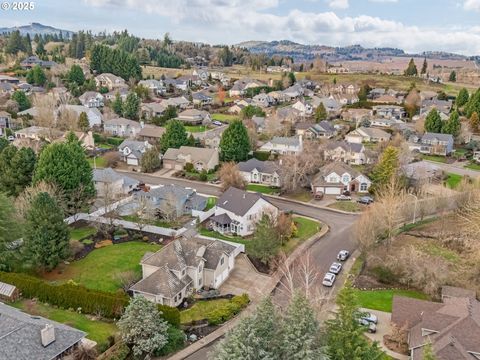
(230, 176)
(126, 279)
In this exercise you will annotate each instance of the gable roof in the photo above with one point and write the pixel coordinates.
(349, 147)
(108, 175)
(267, 167)
(238, 201)
(338, 168)
(196, 154)
(435, 136)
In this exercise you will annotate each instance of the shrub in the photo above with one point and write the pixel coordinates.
(189, 167)
(114, 141)
(203, 176)
(176, 341)
(261, 155)
(170, 314)
(384, 275)
(228, 310)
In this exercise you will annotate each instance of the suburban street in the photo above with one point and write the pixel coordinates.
(323, 252)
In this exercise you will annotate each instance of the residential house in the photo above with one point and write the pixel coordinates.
(288, 114)
(156, 87)
(122, 127)
(260, 172)
(201, 158)
(182, 84)
(259, 122)
(375, 93)
(302, 127)
(5, 120)
(263, 100)
(303, 107)
(202, 74)
(452, 326)
(151, 110)
(330, 104)
(7, 88)
(356, 115)
(294, 92)
(175, 271)
(201, 99)
(37, 134)
(151, 133)
(442, 106)
(110, 183)
(235, 109)
(240, 86)
(431, 143)
(92, 99)
(180, 102)
(238, 211)
(387, 99)
(389, 111)
(122, 92)
(32, 61)
(284, 145)
(364, 134)
(9, 79)
(110, 81)
(94, 116)
(345, 99)
(195, 117)
(383, 123)
(349, 153)
(27, 337)
(337, 177)
(324, 129)
(338, 70)
(279, 69)
(131, 151)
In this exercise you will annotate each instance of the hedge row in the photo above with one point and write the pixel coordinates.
(110, 305)
(227, 311)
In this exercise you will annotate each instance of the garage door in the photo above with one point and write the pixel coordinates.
(332, 191)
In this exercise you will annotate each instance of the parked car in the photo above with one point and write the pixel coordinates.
(371, 318)
(344, 198)
(335, 268)
(328, 279)
(366, 200)
(216, 122)
(346, 193)
(343, 255)
(371, 327)
(11, 138)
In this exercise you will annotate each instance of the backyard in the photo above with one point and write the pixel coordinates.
(224, 117)
(97, 162)
(99, 269)
(96, 330)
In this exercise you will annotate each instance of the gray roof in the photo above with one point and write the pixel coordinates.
(289, 141)
(350, 147)
(196, 154)
(339, 168)
(238, 201)
(222, 219)
(20, 336)
(201, 96)
(109, 175)
(323, 126)
(267, 167)
(435, 136)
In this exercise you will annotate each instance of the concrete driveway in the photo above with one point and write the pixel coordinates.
(245, 279)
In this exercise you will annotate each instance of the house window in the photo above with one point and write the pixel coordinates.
(345, 178)
(363, 187)
(222, 261)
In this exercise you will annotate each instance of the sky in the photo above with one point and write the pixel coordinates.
(412, 25)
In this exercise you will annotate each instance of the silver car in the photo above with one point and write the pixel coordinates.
(335, 268)
(343, 255)
(328, 279)
(371, 327)
(371, 318)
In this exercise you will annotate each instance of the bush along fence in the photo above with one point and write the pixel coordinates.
(77, 297)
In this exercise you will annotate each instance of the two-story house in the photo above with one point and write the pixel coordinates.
(110, 81)
(172, 273)
(260, 172)
(110, 183)
(92, 99)
(238, 211)
(389, 111)
(156, 87)
(94, 116)
(284, 145)
(131, 151)
(122, 127)
(432, 143)
(349, 153)
(337, 177)
(364, 134)
(195, 117)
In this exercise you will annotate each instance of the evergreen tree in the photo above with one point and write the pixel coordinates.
(363, 92)
(452, 126)
(28, 44)
(83, 123)
(474, 122)
(462, 98)
(22, 100)
(291, 78)
(175, 136)
(36, 76)
(433, 122)
(151, 160)
(473, 104)
(40, 49)
(386, 168)
(424, 67)
(320, 113)
(75, 75)
(131, 106)
(250, 111)
(411, 69)
(3, 144)
(300, 331)
(255, 337)
(46, 233)
(345, 339)
(453, 76)
(142, 327)
(16, 169)
(235, 143)
(265, 244)
(15, 43)
(66, 165)
(9, 231)
(117, 104)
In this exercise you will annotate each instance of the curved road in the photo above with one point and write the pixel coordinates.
(323, 252)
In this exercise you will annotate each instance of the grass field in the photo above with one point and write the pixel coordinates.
(440, 159)
(99, 269)
(302, 195)
(82, 232)
(224, 117)
(196, 128)
(473, 166)
(306, 228)
(262, 189)
(98, 331)
(200, 309)
(382, 299)
(100, 162)
(453, 180)
(349, 206)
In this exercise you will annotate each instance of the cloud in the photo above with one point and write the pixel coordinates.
(233, 21)
(338, 4)
(383, 1)
(472, 5)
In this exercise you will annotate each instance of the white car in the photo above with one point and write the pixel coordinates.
(328, 279)
(344, 198)
(371, 327)
(335, 268)
(218, 123)
(343, 255)
(11, 138)
(371, 318)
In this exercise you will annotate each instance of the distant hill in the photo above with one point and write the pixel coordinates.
(36, 28)
(301, 52)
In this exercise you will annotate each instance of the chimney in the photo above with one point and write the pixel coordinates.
(300, 138)
(48, 335)
(244, 196)
(142, 124)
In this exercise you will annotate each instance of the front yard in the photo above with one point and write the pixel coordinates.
(99, 270)
(436, 158)
(473, 166)
(96, 330)
(349, 206)
(224, 117)
(196, 128)
(382, 299)
(200, 309)
(264, 189)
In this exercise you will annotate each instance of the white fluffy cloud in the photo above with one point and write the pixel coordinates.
(472, 5)
(232, 21)
(338, 4)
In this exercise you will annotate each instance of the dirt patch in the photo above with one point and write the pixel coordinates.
(400, 348)
(261, 267)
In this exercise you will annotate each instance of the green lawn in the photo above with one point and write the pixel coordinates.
(436, 158)
(212, 201)
(82, 232)
(217, 235)
(346, 206)
(439, 251)
(196, 176)
(419, 223)
(224, 117)
(382, 299)
(99, 269)
(200, 309)
(306, 228)
(196, 128)
(453, 180)
(98, 331)
(473, 166)
(154, 222)
(100, 162)
(303, 195)
(105, 146)
(263, 189)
